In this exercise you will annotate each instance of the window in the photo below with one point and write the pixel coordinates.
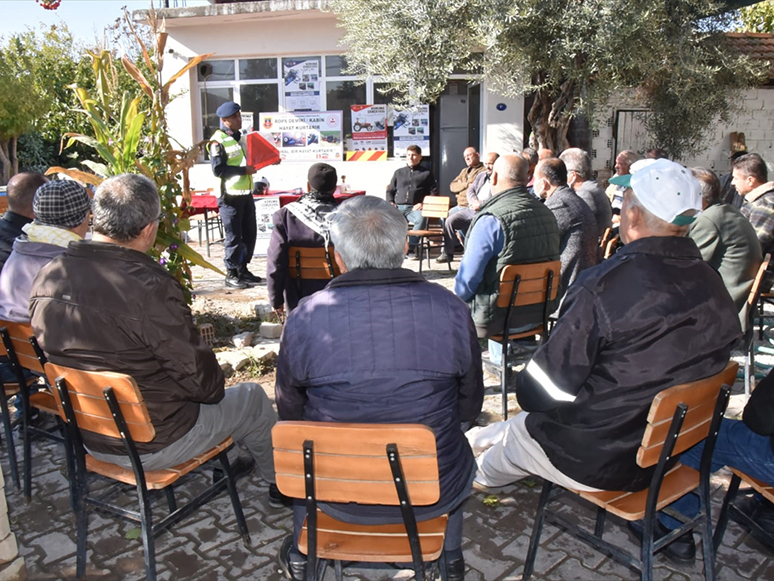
(211, 100)
(212, 71)
(341, 95)
(256, 69)
(259, 98)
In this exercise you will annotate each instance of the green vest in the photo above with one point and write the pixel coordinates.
(531, 235)
(236, 185)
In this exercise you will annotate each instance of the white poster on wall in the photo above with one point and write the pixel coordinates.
(302, 84)
(411, 127)
(247, 122)
(369, 127)
(264, 210)
(314, 136)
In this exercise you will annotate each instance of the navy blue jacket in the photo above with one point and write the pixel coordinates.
(386, 346)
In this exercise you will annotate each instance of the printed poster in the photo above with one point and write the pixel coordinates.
(264, 210)
(411, 127)
(302, 84)
(313, 136)
(369, 127)
(247, 122)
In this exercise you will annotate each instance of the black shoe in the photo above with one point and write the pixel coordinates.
(233, 280)
(277, 499)
(455, 570)
(242, 467)
(248, 277)
(443, 258)
(759, 510)
(293, 570)
(681, 551)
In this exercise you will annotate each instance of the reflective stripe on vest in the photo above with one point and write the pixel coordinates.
(236, 185)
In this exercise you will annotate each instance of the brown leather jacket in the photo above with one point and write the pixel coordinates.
(103, 307)
(460, 184)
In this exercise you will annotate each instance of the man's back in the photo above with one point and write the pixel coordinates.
(727, 241)
(385, 346)
(577, 233)
(594, 195)
(104, 307)
(653, 316)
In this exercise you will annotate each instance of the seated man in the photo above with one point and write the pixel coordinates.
(726, 240)
(512, 227)
(578, 246)
(750, 178)
(19, 194)
(580, 179)
(303, 223)
(409, 367)
(653, 316)
(532, 158)
(61, 216)
(746, 445)
(408, 187)
(460, 184)
(478, 192)
(614, 193)
(106, 305)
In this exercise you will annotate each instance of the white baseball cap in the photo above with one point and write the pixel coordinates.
(666, 189)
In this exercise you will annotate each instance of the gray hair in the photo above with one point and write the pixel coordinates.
(710, 185)
(369, 232)
(655, 224)
(578, 161)
(124, 205)
(530, 155)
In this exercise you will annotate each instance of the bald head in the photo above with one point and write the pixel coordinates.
(21, 191)
(509, 171)
(546, 153)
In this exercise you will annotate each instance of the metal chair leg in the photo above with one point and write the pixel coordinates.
(707, 544)
(720, 528)
(147, 532)
(504, 379)
(599, 525)
(171, 502)
(234, 495)
(8, 427)
(537, 529)
(646, 549)
(338, 570)
(82, 527)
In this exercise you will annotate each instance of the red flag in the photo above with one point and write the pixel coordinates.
(260, 152)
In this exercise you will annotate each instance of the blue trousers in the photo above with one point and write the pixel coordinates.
(238, 216)
(415, 217)
(738, 447)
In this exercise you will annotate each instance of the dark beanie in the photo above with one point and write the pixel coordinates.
(322, 178)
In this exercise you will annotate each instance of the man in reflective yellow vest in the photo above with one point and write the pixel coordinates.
(235, 200)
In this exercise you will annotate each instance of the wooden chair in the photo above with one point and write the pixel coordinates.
(21, 347)
(110, 404)
(312, 263)
(435, 209)
(610, 246)
(605, 237)
(523, 285)
(680, 417)
(384, 464)
(728, 507)
(748, 339)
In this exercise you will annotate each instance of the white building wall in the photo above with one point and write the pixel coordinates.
(755, 120)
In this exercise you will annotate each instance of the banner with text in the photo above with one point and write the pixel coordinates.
(411, 127)
(302, 84)
(313, 136)
(369, 127)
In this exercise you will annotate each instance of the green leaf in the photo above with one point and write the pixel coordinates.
(166, 240)
(132, 139)
(133, 534)
(98, 168)
(491, 501)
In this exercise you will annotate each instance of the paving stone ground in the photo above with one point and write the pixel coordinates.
(207, 546)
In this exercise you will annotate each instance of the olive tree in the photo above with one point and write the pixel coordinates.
(571, 56)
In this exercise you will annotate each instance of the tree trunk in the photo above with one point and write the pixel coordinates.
(13, 157)
(550, 116)
(6, 162)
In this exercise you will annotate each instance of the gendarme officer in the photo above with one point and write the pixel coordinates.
(235, 200)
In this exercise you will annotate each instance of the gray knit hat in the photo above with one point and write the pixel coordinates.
(62, 203)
